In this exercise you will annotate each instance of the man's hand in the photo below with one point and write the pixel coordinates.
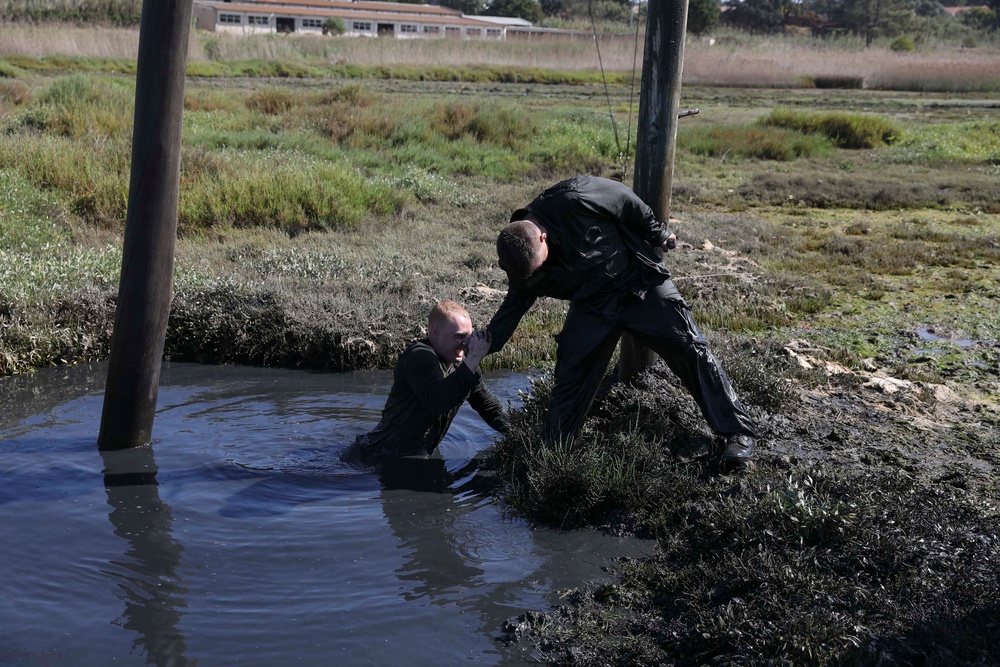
(670, 242)
(477, 345)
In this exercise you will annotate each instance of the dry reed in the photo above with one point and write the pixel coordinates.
(779, 62)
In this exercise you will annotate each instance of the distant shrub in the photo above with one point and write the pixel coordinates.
(839, 82)
(979, 18)
(334, 26)
(903, 44)
(844, 130)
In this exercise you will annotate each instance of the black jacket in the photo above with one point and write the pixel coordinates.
(601, 240)
(425, 397)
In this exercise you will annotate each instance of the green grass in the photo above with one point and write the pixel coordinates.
(975, 143)
(347, 159)
(287, 158)
(319, 69)
(850, 131)
(752, 143)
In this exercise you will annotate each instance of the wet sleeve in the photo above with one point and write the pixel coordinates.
(624, 206)
(489, 408)
(436, 392)
(508, 316)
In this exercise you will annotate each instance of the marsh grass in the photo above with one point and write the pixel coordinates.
(351, 160)
(850, 131)
(611, 472)
(752, 142)
(804, 566)
(321, 222)
(292, 159)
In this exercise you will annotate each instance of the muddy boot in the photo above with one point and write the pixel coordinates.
(738, 452)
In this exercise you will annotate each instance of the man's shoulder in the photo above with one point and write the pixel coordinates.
(416, 349)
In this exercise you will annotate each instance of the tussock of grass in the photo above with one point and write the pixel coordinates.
(8, 71)
(289, 192)
(78, 105)
(93, 175)
(752, 143)
(611, 472)
(844, 130)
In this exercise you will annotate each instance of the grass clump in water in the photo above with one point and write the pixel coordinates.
(612, 472)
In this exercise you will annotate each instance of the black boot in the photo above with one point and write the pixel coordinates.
(738, 451)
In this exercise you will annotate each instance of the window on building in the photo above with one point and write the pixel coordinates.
(259, 20)
(473, 32)
(432, 28)
(366, 26)
(493, 32)
(231, 19)
(312, 23)
(407, 27)
(452, 32)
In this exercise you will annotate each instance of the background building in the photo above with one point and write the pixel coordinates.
(361, 19)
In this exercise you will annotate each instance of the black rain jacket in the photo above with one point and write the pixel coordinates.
(602, 241)
(425, 397)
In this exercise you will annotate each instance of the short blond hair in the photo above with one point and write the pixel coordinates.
(444, 310)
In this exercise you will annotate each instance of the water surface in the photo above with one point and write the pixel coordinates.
(240, 537)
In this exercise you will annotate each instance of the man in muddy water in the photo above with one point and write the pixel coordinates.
(593, 242)
(431, 380)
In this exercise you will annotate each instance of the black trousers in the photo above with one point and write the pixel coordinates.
(662, 321)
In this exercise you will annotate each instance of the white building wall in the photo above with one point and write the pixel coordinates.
(251, 23)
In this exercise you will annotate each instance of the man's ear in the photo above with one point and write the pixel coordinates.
(542, 236)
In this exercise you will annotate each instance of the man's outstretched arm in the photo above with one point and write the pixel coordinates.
(508, 316)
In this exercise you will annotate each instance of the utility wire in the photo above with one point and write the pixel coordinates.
(635, 55)
(623, 158)
(607, 94)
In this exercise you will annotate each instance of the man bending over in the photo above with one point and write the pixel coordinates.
(593, 242)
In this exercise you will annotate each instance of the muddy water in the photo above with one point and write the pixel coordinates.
(240, 538)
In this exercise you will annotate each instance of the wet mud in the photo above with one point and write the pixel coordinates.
(865, 532)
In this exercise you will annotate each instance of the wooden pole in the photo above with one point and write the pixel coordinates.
(659, 103)
(144, 290)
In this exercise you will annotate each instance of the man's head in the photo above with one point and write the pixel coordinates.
(448, 326)
(521, 248)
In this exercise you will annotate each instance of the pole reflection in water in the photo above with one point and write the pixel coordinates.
(149, 584)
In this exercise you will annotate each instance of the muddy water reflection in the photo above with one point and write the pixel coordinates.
(245, 540)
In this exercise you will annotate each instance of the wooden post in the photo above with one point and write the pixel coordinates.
(144, 290)
(659, 103)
